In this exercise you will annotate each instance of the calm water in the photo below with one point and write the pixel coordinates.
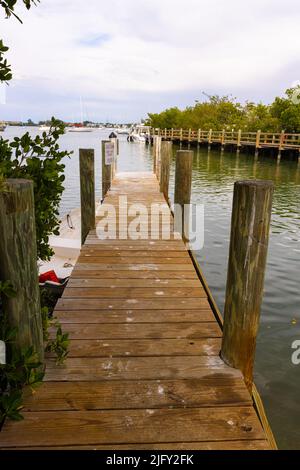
(214, 174)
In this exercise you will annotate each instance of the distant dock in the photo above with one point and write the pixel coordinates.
(276, 142)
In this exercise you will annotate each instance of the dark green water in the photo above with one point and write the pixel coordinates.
(214, 174)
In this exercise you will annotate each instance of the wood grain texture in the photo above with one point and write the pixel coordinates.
(139, 368)
(144, 330)
(121, 394)
(87, 191)
(144, 347)
(134, 426)
(251, 215)
(143, 370)
(18, 263)
(135, 316)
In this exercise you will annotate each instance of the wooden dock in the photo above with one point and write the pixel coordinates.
(144, 370)
(237, 138)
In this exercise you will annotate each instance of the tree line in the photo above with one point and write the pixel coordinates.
(224, 112)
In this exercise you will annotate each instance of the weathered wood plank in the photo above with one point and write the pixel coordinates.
(133, 304)
(143, 394)
(257, 444)
(139, 368)
(133, 292)
(147, 266)
(135, 316)
(133, 426)
(90, 272)
(117, 283)
(144, 330)
(144, 347)
(124, 253)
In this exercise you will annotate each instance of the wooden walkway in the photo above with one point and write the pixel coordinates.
(259, 140)
(144, 370)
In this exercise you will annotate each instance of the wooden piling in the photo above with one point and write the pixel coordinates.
(199, 136)
(239, 138)
(18, 255)
(156, 155)
(223, 139)
(166, 155)
(106, 171)
(183, 188)
(250, 224)
(257, 141)
(87, 191)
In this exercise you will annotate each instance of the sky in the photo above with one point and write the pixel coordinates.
(125, 58)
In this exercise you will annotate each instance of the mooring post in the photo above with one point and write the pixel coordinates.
(18, 255)
(209, 139)
(257, 142)
(158, 157)
(239, 138)
(106, 169)
(87, 191)
(172, 134)
(154, 153)
(183, 189)
(190, 135)
(223, 139)
(166, 155)
(199, 136)
(250, 223)
(281, 145)
(181, 135)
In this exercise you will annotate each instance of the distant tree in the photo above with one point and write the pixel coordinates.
(287, 110)
(226, 113)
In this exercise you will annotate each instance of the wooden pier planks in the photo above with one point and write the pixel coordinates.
(144, 370)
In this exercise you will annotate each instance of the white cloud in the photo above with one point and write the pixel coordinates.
(153, 48)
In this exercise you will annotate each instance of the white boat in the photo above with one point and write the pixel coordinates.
(123, 131)
(135, 137)
(80, 129)
(44, 128)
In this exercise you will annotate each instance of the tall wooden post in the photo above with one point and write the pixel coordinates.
(87, 191)
(18, 255)
(154, 153)
(250, 223)
(281, 145)
(166, 155)
(257, 142)
(239, 138)
(183, 188)
(223, 139)
(158, 156)
(106, 171)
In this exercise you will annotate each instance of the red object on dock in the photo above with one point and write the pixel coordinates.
(48, 276)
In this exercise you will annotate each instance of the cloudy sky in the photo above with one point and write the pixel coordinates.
(129, 57)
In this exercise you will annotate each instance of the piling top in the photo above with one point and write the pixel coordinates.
(181, 152)
(18, 183)
(256, 183)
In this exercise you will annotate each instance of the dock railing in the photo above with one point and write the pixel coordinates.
(279, 140)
